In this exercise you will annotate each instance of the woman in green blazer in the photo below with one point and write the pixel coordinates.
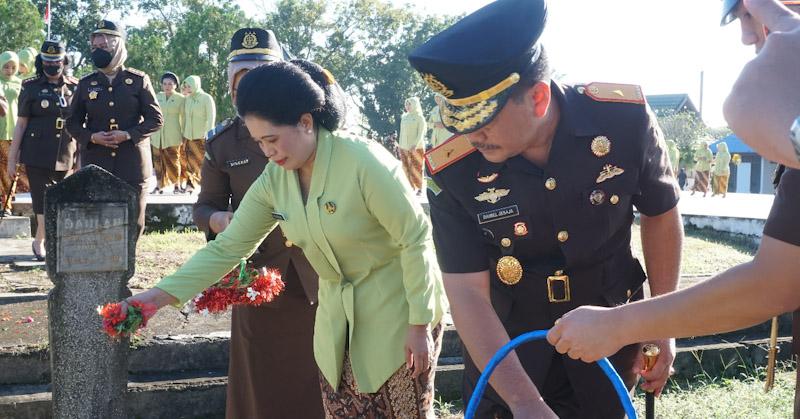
(345, 202)
(166, 142)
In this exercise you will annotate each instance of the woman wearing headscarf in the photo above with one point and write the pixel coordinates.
(41, 141)
(343, 201)
(10, 86)
(721, 170)
(114, 112)
(199, 113)
(702, 167)
(439, 133)
(412, 142)
(27, 58)
(167, 141)
(674, 156)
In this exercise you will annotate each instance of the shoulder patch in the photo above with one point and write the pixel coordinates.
(219, 129)
(90, 75)
(135, 72)
(447, 153)
(30, 80)
(612, 92)
(71, 80)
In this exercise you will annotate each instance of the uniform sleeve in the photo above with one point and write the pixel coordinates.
(77, 118)
(459, 244)
(658, 190)
(215, 193)
(782, 221)
(250, 225)
(152, 119)
(24, 108)
(389, 198)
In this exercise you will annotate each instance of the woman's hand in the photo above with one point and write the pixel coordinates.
(419, 349)
(153, 296)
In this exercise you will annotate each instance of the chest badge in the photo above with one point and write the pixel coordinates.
(609, 171)
(597, 197)
(488, 178)
(492, 195)
(330, 207)
(520, 229)
(509, 270)
(45, 103)
(92, 95)
(601, 146)
(93, 83)
(236, 163)
(129, 81)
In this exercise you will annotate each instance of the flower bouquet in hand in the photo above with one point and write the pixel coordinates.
(243, 285)
(120, 323)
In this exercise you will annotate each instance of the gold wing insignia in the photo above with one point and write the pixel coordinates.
(492, 195)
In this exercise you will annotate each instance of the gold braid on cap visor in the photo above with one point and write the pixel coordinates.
(476, 108)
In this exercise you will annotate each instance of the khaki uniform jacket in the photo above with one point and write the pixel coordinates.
(128, 103)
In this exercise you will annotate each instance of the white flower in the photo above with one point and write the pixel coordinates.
(252, 294)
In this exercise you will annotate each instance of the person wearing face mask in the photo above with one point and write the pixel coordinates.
(10, 86)
(167, 141)
(199, 113)
(114, 112)
(41, 141)
(346, 203)
(271, 373)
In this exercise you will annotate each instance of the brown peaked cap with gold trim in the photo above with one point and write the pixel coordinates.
(475, 63)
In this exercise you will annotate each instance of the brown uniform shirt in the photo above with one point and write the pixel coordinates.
(128, 103)
(232, 163)
(560, 217)
(46, 143)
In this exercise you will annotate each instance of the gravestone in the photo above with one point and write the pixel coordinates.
(90, 225)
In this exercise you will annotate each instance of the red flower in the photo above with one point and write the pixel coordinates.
(245, 285)
(118, 323)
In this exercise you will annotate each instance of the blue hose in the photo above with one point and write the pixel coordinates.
(605, 365)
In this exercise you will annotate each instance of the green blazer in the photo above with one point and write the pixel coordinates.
(367, 237)
(171, 133)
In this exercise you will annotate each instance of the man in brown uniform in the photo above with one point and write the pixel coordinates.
(272, 371)
(532, 209)
(114, 112)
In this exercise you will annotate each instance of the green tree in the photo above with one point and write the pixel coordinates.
(22, 25)
(687, 130)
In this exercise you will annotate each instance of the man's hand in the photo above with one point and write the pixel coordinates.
(219, 221)
(656, 378)
(588, 333)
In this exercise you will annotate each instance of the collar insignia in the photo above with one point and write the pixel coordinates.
(609, 171)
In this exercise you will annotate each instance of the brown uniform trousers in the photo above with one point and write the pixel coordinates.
(129, 104)
(272, 372)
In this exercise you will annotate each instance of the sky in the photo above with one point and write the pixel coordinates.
(662, 45)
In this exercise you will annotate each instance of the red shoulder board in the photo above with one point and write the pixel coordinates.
(611, 92)
(447, 153)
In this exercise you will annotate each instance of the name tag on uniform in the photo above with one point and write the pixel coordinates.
(236, 163)
(498, 214)
(278, 216)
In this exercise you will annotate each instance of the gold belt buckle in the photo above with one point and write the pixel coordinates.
(557, 278)
(113, 127)
(59, 123)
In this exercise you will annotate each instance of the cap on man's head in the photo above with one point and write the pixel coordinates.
(52, 51)
(110, 27)
(475, 62)
(255, 44)
(729, 9)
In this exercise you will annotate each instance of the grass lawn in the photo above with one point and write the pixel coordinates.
(160, 253)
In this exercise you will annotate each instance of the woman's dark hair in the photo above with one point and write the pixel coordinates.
(537, 71)
(282, 91)
(37, 63)
(170, 75)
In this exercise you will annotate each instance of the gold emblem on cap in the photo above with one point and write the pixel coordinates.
(436, 85)
(505, 242)
(92, 95)
(509, 270)
(129, 81)
(492, 195)
(101, 24)
(601, 146)
(609, 171)
(330, 207)
(45, 103)
(51, 49)
(488, 178)
(250, 40)
(520, 229)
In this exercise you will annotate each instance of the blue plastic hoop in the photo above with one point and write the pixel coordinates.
(604, 364)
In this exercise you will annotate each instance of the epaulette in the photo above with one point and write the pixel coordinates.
(219, 129)
(447, 153)
(92, 74)
(136, 72)
(612, 92)
(71, 79)
(30, 80)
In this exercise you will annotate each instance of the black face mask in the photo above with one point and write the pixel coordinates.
(52, 70)
(101, 58)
